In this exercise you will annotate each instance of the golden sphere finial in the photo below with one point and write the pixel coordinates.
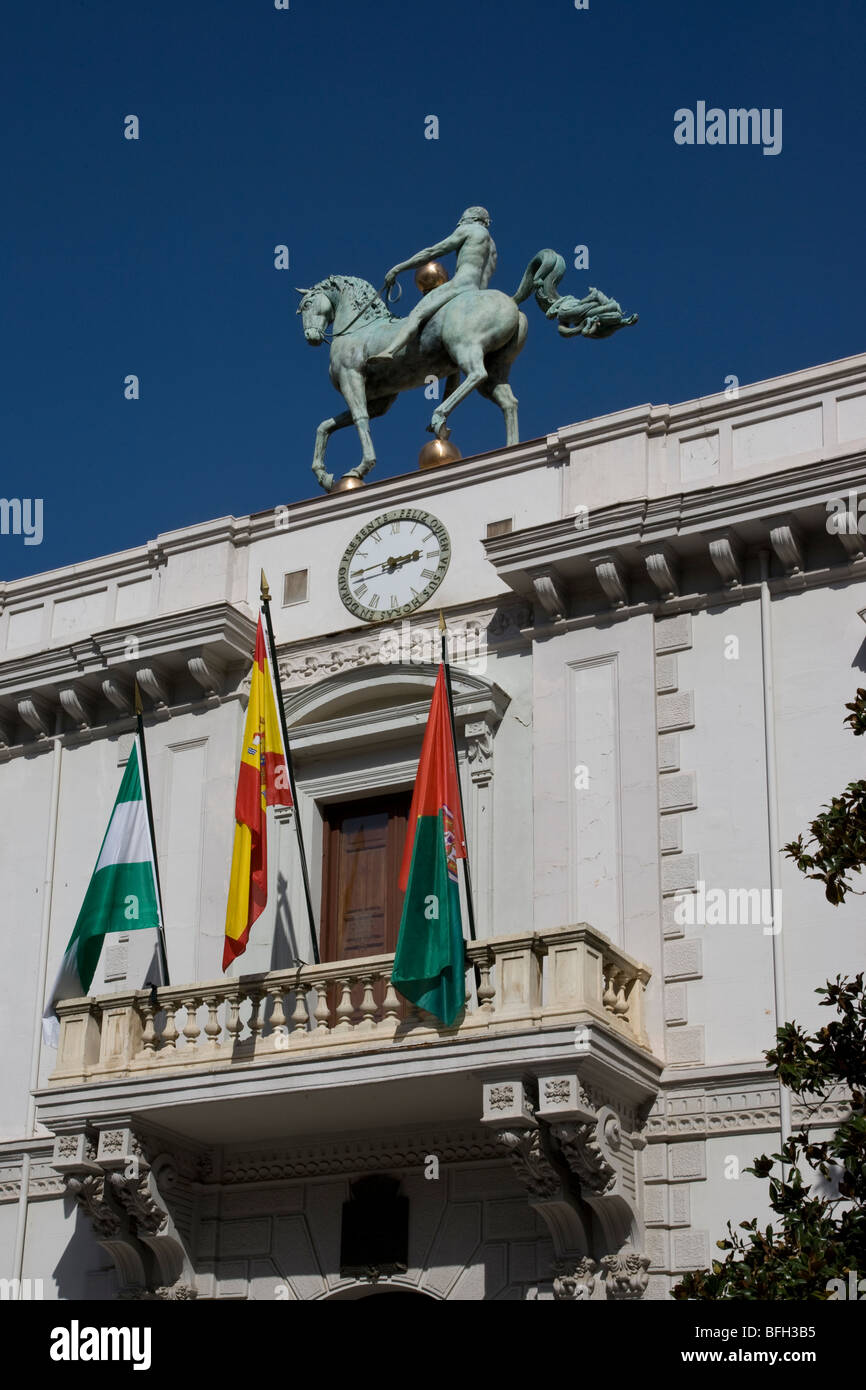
(428, 277)
(347, 484)
(437, 452)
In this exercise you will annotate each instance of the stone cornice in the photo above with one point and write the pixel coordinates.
(653, 538)
(178, 658)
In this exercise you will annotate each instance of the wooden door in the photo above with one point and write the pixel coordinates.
(361, 902)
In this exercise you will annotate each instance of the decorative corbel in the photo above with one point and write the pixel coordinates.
(574, 1279)
(117, 694)
(725, 555)
(611, 577)
(785, 541)
(207, 674)
(625, 1275)
(479, 750)
(548, 591)
(152, 684)
(661, 565)
(79, 712)
(35, 714)
(848, 535)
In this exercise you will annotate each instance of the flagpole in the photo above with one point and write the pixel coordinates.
(160, 934)
(266, 609)
(470, 909)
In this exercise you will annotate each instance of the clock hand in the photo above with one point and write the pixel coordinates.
(391, 563)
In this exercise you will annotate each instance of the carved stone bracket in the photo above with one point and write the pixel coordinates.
(849, 536)
(115, 1185)
(153, 684)
(625, 1274)
(574, 1279)
(117, 694)
(786, 543)
(207, 674)
(725, 555)
(661, 565)
(529, 1161)
(549, 592)
(35, 714)
(479, 750)
(77, 709)
(611, 577)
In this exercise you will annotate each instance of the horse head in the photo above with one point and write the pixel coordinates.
(317, 310)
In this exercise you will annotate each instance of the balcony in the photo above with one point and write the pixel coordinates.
(566, 993)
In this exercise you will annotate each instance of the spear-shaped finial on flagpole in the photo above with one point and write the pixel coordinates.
(275, 670)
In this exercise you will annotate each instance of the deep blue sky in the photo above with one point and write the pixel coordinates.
(306, 127)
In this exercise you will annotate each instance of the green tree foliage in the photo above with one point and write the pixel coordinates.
(817, 1190)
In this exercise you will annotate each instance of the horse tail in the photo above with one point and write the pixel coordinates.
(541, 278)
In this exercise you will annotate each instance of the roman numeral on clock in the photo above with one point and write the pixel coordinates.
(374, 601)
(361, 590)
(427, 574)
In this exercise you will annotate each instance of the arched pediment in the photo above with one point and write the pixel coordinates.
(384, 702)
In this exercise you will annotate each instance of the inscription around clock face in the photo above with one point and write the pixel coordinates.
(394, 565)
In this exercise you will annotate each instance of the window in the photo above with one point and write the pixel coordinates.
(499, 528)
(295, 587)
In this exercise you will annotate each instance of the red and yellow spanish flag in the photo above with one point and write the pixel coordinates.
(263, 781)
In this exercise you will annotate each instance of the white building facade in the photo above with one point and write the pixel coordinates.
(656, 622)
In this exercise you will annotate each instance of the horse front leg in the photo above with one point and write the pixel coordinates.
(323, 434)
(354, 390)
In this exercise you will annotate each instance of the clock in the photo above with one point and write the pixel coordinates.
(394, 565)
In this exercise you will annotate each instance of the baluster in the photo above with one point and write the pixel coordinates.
(345, 1008)
(620, 1008)
(213, 1027)
(322, 1012)
(276, 993)
(486, 991)
(608, 999)
(391, 1003)
(234, 1027)
(255, 1023)
(368, 1005)
(170, 1034)
(148, 1037)
(191, 1030)
(299, 1013)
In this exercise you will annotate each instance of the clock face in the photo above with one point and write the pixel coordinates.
(394, 565)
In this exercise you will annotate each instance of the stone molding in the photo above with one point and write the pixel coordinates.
(677, 795)
(396, 1151)
(179, 659)
(638, 555)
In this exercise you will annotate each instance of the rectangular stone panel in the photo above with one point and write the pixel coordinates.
(676, 711)
(674, 634)
(699, 457)
(683, 960)
(684, 1046)
(851, 417)
(783, 436)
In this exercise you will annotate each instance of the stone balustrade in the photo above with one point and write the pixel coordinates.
(531, 980)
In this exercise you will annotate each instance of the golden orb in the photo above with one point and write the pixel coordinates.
(437, 452)
(428, 277)
(347, 484)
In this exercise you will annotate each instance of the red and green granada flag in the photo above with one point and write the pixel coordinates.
(429, 965)
(263, 780)
(121, 896)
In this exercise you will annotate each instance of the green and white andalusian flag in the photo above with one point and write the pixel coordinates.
(121, 896)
